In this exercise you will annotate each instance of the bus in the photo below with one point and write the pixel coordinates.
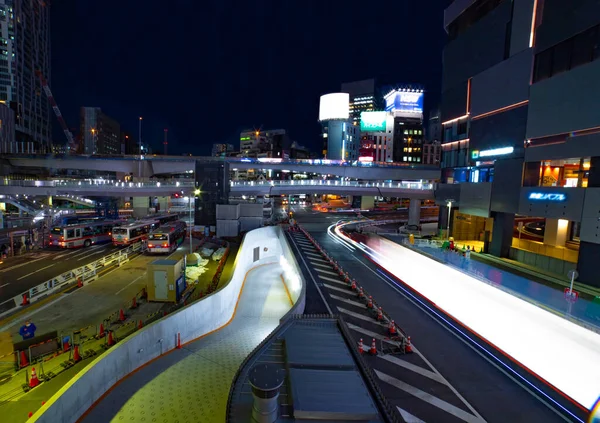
(167, 238)
(78, 220)
(81, 235)
(165, 218)
(133, 232)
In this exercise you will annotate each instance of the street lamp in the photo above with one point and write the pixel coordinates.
(140, 136)
(449, 213)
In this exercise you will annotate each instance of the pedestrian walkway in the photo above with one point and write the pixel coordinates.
(192, 384)
(584, 311)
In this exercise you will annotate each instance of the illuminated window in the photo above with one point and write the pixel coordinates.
(405, 149)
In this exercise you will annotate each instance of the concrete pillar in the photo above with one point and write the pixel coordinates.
(502, 234)
(367, 202)
(163, 203)
(140, 206)
(265, 380)
(414, 212)
(556, 232)
(50, 200)
(587, 265)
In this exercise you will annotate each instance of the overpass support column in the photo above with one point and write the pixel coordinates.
(363, 202)
(502, 234)
(140, 206)
(50, 200)
(163, 204)
(414, 212)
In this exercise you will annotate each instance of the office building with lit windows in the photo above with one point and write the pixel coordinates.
(405, 104)
(270, 143)
(363, 98)
(521, 131)
(24, 49)
(100, 134)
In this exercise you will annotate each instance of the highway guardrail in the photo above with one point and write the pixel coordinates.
(81, 275)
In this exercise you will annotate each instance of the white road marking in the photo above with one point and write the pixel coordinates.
(326, 266)
(130, 283)
(39, 270)
(342, 299)
(361, 317)
(409, 418)
(16, 266)
(335, 288)
(424, 396)
(333, 280)
(417, 369)
(372, 334)
(6, 284)
(326, 272)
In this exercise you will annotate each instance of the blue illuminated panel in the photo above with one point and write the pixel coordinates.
(547, 196)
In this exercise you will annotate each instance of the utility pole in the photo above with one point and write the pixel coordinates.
(140, 158)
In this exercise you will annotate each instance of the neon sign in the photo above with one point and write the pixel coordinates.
(494, 152)
(547, 196)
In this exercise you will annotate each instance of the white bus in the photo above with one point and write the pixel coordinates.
(133, 232)
(82, 235)
(167, 238)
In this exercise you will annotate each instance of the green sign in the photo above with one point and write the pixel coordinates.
(245, 139)
(373, 121)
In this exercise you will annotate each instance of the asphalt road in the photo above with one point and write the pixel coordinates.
(488, 389)
(18, 274)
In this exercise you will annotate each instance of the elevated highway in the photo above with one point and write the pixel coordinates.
(140, 189)
(147, 166)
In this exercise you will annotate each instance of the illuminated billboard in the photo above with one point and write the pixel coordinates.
(334, 106)
(404, 101)
(373, 121)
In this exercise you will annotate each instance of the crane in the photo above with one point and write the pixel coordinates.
(70, 140)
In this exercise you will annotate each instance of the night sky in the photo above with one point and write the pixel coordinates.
(208, 69)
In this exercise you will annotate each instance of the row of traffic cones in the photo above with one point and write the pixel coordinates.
(392, 328)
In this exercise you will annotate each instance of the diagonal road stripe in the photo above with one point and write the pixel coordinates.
(354, 303)
(417, 369)
(409, 418)
(327, 272)
(361, 316)
(339, 282)
(424, 396)
(326, 266)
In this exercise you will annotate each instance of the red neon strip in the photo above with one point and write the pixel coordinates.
(500, 110)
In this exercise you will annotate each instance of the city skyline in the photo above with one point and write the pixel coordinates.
(175, 83)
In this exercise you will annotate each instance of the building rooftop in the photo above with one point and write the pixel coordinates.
(324, 378)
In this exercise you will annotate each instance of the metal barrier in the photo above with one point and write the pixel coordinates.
(84, 275)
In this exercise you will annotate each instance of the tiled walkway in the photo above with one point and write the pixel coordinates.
(192, 384)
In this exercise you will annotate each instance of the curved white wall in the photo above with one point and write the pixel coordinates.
(198, 319)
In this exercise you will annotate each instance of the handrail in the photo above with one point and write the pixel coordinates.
(86, 273)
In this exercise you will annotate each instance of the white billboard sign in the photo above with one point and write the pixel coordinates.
(334, 106)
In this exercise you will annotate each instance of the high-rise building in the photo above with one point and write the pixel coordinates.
(341, 136)
(7, 130)
(406, 105)
(377, 139)
(221, 150)
(362, 98)
(433, 132)
(271, 143)
(521, 137)
(100, 134)
(25, 49)
(432, 153)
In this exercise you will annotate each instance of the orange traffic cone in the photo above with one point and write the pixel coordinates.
(392, 328)
(134, 302)
(408, 346)
(101, 332)
(353, 286)
(121, 315)
(379, 314)
(361, 293)
(341, 272)
(76, 356)
(66, 346)
(140, 325)
(370, 302)
(144, 294)
(178, 341)
(30, 414)
(25, 300)
(110, 341)
(24, 362)
(361, 347)
(34, 381)
(373, 350)
(79, 282)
